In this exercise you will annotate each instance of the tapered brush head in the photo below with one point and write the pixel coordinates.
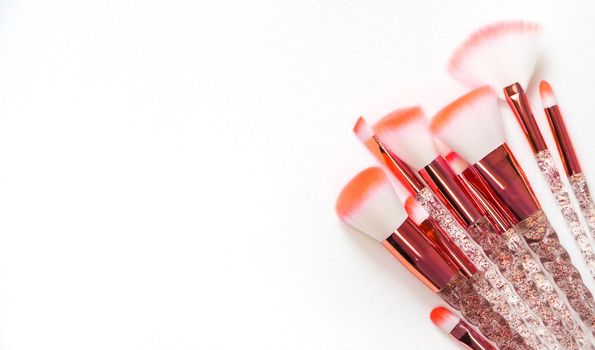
(415, 211)
(456, 163)
(471, 125)
(548, 99)
(365, 134)
(499, 55)
(405, 132)
(444, 318)
(369, 203)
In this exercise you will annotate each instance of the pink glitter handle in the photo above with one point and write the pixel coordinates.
(543, 240)
(498, 291)
(552, 176)
(460, 293)
(582, 193)
(514, 259)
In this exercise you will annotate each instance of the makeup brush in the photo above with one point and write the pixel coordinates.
(369, 204)
(572, 166)
(504, 55)
(472, 127)
(460, 330)
(405, 133)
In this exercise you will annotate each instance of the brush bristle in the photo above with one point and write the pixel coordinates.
(548, 99)
(364, 133)
(415, 211)
(456, 163)
(498, 55)
(405, 132)
(444, 318)
(369, 203)
(471, 125)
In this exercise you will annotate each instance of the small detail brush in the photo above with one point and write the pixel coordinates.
(572, 167)
(460, 330)
(472, 127)
(369, 204)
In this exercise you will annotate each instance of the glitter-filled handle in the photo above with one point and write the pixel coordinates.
(552, 176)
(543, 240)
(510, 263)
(498, 291)
(460, 294)
(583, 195)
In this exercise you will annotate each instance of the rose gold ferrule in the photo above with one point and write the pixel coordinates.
(518, 102)
(494, 213)
(466, 335)
(507, 184)
(443, 181)
(420, 256)
(400, 169)
(563, 141)
(446, 245)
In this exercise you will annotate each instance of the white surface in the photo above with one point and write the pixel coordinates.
(169, 169)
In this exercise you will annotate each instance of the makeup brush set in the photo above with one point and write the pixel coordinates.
(451, 202)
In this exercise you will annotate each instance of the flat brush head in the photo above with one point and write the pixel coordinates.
(364, 133)
(499, 55)
(548, 99)
(369, 203)
(405, 132)
(444, 318)
(471, 125)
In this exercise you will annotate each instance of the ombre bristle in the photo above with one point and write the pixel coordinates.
(456, 163)
(405, 132)
(444, 318)
(364, 133)
(548, 99)
(369, 203)
(498, 55)
(415, 211)
(471, 125)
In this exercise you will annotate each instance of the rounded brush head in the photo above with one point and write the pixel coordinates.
(456, 163)
(415, 211)
(405, 132)
(499, 55)
(471, 125)
(369, 203)
(444, 318)
(548, 99)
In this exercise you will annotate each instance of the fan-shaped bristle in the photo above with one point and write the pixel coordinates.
(364, 133)
(415, 211)
(369, 203)
(548, 99)
(444, 318)
(405, 132)
(471, 125)
(498, 55)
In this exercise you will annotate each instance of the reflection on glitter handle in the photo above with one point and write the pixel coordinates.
(552, 176)
(582, 193)
(548, 292)
(461, 295)
(499, 291)
(507, 252)
(543, 240)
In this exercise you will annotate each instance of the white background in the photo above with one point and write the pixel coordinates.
(169, 169)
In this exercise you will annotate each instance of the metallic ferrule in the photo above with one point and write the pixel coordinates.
(420, 256)
(466, 335)
(505, 182)
(447, 246)
(445, 183)
(563, 141)
(517, 100)
(400, 169)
